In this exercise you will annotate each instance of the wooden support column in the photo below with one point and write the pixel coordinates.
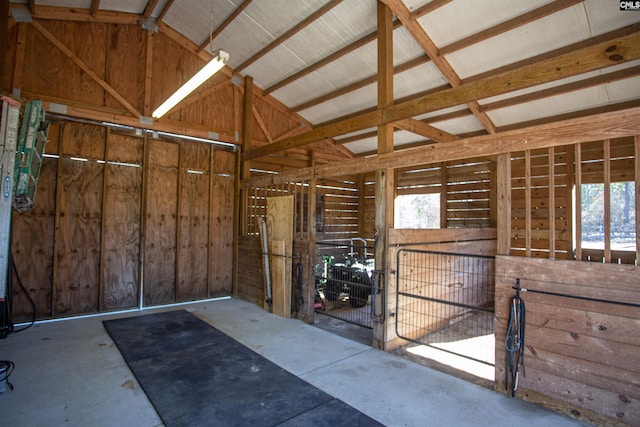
(444, 195)
(578, 181)
(385, 178)
(504, 204)
(307, 313)
(637, 161)
(527, 201)
(607, 199)
(361, 204)
(552, 203)
(243, 172)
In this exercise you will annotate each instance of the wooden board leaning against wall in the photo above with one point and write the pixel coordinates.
(109, 216)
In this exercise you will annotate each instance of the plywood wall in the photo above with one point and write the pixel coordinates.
(118, 215)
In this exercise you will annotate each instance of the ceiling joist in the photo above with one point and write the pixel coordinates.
(570, 64)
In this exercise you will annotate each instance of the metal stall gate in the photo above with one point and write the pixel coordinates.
(446, 300)
(346, 283)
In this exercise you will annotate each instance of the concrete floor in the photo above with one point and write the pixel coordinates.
(70, 373)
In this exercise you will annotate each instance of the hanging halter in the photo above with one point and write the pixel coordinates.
(514, 341)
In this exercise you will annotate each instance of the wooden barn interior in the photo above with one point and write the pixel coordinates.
(286, 170)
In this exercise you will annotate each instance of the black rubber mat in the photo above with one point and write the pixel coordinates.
(195, 375)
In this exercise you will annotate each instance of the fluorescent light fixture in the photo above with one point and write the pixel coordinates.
(220, 58)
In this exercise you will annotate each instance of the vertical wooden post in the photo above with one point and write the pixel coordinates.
(504, 204)
(607, 199)
(247, 125)
(148, 73)
(308, 312)
(385, 179)
(237, 221)
(527, 201)
(361, 204)
(444, 192)
(637, 175)
(552, 202)
(493, 195)
(570, 182)
(578, 183)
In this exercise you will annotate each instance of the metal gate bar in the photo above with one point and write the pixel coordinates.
(446, 300)
(344, 281)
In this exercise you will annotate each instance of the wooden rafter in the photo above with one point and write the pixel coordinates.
(224, 25)
(566, 88)
(95, 6)
(32, 7)
(400, 9)
(420, 128)
(580, 61)
(165, 10)
(328, 59)
(288, 34)
(80, 63)
(617, 124)
(602, 38)
(148, 9)
(428, 8)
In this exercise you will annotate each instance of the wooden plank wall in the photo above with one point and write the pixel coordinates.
(539, 224)
(581, 357)
(465, 190)
(80, 249)
(541, 210)
(466, 241)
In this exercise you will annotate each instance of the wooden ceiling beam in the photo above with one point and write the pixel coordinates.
(566, 88)
(423, 129)
(95, 6)
(328, 59)
(119, 116)
(616, 124)
(602, 38)
(288, 34)
(417, 31)
(518, 21)
(428, 8)
(165, 10)
(591, 58)
(224, 25)
(149, 8)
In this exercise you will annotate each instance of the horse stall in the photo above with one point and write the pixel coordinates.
(441, 291)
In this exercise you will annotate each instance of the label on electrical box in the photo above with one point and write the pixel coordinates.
(7, 187)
